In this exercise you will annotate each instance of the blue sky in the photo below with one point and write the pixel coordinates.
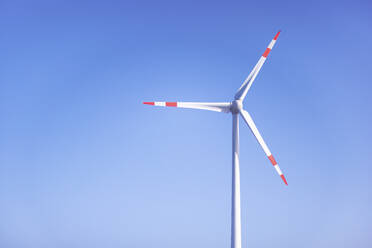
(84, 164)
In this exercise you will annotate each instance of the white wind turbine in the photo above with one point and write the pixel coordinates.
(235, 108)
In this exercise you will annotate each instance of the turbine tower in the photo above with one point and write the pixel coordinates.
(235, 108)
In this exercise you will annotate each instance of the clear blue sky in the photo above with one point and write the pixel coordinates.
(84, 164)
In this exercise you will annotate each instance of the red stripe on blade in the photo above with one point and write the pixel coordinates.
(277, 35)
(267, 51)
(171, 104)
(272, 160)
(149, 103)
(285, 181)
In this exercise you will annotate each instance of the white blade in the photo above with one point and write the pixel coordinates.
(242, 92)
(212, 106)
(248, 119)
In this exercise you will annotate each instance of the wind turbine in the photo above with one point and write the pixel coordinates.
(235, 108)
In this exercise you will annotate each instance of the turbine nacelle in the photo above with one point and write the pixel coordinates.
(236, 106)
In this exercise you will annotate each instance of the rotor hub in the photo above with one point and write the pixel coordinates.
(236, 106)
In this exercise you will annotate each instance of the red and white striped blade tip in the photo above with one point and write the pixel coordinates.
(163, 104)
(268, 49)
(276, 166)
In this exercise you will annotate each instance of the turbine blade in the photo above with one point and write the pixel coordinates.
(242, 91)
(212, 106)
(248, 119)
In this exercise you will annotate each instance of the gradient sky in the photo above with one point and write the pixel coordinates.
(84, 164)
